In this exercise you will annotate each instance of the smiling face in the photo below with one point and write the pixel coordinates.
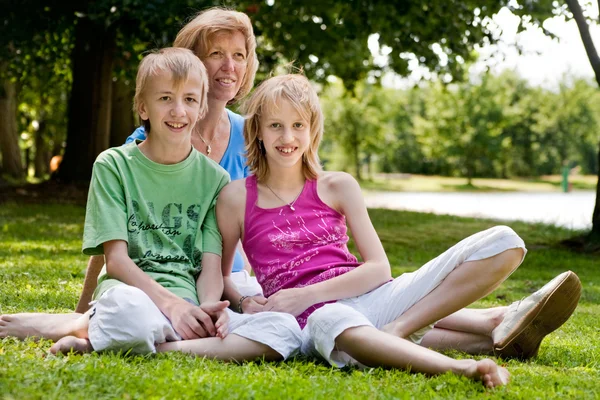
(285, 134)
(172, 109)
(225, 60)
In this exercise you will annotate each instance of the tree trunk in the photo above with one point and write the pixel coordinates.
(122, 123)
(590, 49)
(88, 129)
(41, 161)
(12, 163)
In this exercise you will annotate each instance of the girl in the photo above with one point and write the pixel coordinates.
(291, 217)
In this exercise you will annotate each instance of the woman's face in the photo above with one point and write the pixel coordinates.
(225, 61)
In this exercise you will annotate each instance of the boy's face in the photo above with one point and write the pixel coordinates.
(172, 110)
(285, 134)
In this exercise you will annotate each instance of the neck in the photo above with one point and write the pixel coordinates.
(165, 153)
(208, 126)
(286, 179)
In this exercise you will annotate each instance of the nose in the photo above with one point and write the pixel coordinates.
(228, 63)
(178, 109)
(288, 136)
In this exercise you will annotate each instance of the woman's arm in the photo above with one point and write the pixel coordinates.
(341, 192)
(90, 283)
(189, 321)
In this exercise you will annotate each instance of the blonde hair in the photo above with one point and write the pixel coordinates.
(179, 62)
(197, 34)
(296, 89)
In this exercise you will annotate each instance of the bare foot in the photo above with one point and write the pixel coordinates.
(36, 325)
(489, 373)
(73, 343)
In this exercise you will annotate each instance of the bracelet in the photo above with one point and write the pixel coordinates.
(239, 306)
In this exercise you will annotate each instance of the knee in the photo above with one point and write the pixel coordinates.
(123, 312)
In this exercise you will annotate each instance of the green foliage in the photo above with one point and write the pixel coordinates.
(41, 268)
(496, 127)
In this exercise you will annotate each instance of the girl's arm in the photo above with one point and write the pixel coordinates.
(341, 192)
(231, 207)
(189, 321)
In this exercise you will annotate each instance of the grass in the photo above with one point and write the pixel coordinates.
(423, 183)
(42, 269)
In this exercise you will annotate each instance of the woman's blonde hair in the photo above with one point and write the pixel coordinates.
(198, 32)
(296, 89)
(179, 62)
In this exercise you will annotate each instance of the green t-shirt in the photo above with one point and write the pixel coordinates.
(165, 213)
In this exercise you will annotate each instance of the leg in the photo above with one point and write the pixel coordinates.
(231, 348)
(41, 326)
(90, 282)
(509, 332)
(461, 287)
(373, 347)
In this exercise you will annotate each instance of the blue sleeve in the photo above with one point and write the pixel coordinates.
(139, 133)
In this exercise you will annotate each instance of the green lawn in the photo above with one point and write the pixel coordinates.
(41, 269)
(427, 183)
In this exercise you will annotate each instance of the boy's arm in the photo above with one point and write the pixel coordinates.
(90, 282)
(210, 288)
(189, 321)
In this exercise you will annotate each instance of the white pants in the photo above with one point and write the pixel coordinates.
(125, 318)
(246, 284)
(388, 302)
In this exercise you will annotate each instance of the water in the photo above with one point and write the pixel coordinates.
(571, 210)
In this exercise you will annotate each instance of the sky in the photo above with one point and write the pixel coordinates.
(543, 62)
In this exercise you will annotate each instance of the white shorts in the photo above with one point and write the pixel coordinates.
(246, 284)
(125, 318)
(388, 302)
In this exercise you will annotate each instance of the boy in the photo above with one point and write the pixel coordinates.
(151, 212)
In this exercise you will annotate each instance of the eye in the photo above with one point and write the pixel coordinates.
(191, 100)
(298, 125)
(239, 57)
(215, 54)
(275, 125)
(165, 98)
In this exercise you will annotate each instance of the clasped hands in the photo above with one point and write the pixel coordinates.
(195, 322)
(292, 301)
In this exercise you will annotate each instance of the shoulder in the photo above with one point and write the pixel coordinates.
(337, 181)
(233, 197)
(337, 189)
(115, 154)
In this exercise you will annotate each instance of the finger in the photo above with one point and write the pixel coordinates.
(204, 319)
(216, 306)
(223, 330)
(260, 300)
(196, 328)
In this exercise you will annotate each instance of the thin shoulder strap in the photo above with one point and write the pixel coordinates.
(251, 194)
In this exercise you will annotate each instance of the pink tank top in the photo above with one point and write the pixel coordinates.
(292, 249)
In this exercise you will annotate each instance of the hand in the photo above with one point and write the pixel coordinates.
(253, 304)
(217, 310)
(291, 301)
(190, 321)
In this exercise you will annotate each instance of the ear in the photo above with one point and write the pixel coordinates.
(142, 111)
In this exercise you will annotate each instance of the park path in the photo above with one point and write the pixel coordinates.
(571, 210)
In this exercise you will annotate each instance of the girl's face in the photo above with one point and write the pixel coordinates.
(225, 62)
(285, 134)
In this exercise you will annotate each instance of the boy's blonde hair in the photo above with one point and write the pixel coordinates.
(179, 62)
(197, 34)
(296, 89)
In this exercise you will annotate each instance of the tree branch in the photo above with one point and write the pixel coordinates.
(584, 31)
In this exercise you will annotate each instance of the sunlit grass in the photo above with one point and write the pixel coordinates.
(41, 269)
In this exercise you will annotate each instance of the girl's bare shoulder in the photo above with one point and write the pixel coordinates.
(234, 192)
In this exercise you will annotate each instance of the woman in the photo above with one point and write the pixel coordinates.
(225, 43)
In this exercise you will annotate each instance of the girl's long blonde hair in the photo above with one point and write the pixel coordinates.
(296, 89)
